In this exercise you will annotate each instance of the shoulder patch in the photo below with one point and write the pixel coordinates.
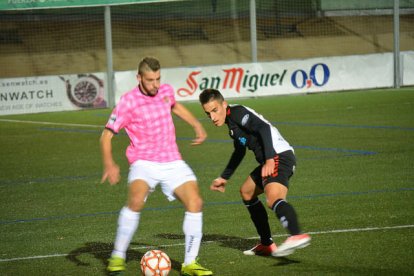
(112, 119)
(245, 119)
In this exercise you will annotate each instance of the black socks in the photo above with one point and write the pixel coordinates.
(287, 216)
(259, 217)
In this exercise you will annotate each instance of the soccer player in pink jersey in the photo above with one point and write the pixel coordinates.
(145, 114)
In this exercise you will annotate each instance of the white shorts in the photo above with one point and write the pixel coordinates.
(170, 175)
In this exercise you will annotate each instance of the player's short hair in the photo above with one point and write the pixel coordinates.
(210, 95)
(148, 64)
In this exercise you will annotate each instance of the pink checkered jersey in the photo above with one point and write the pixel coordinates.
(148, 122)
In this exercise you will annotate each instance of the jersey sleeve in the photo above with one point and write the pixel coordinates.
(235, 160)
(119, 117)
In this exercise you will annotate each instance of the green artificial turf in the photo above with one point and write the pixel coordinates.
(353, 191)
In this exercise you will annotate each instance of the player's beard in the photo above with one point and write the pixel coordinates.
(147, 91)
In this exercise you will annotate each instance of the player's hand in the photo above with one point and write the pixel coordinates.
(111, 173)
(268, 168)
(218, 184)
(201, 135)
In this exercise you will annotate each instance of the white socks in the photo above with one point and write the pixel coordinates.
(127, 225)
(192, 227)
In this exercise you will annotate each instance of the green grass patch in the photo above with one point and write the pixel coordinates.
(353, 191)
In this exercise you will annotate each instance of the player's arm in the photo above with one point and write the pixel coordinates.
(219, 184)
(110, 168)
(235, 160)
(182, 112)
(264, 131)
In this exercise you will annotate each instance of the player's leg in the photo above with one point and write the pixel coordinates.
(249, 192)
(128, 221)
(276, 200)
(276, 189)
(188, 194)
(288, 218)
(129, 215)
(182, 184)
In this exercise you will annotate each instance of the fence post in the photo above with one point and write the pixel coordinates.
(397, 76)
(109, 62)
(253, 30)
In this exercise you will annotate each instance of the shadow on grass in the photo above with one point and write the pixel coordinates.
(101, 251)
(237, 243)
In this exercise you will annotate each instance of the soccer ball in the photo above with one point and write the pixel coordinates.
(155, 263)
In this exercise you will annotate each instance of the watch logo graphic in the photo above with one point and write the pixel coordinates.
(85, 91)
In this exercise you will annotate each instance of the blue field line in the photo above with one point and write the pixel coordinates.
(363, 152)
(347, 152)
(73, 130)
(343, 126)
(332, 125)
(206, 204)
(353, 193)
(5, 182)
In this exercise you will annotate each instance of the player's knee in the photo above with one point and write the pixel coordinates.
(195, 204)
(136, 206)
(199, 204)
(274, 192)
(271, 200)
(136, 203)
(246, 193)
(269, 203)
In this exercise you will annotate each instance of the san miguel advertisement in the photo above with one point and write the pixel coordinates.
(274, 78)
(51, 93)
(74, 92)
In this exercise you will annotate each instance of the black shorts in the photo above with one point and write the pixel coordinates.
(285, 163)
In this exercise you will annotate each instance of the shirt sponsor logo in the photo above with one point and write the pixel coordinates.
(243, 141)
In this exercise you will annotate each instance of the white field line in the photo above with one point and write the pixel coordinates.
(351, 230)
(48, 123)
(33, 257)
(181, 244)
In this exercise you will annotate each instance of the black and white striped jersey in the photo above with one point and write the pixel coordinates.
(250, 130)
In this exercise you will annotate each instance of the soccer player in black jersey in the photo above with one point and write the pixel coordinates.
(276, 161)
